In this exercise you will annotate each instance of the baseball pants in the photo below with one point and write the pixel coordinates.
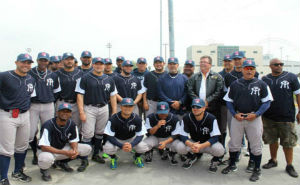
(111, 149)
(153, 142)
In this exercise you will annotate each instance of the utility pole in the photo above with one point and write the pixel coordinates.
(171, 29)
(109, 46)
(165, 44)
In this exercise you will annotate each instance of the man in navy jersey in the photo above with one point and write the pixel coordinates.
(55, 62)
(16, 89)
(247, 99)
(95, 90)
(128, 85)
(125, 131)
(59, 143)
(86, 60)
(151, 97)
(108, 67)
(119, 62)
(67, 80)
(202, 127)
(280, 117)
(163, 128)
(42, 105)
(171, 88)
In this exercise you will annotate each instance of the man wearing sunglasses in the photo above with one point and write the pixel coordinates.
(247, 99)
(279, 119)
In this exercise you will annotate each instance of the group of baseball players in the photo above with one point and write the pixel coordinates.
(92, 109)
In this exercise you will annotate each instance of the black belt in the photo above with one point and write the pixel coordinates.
(97, 105)
(21, 111)
(68, 101)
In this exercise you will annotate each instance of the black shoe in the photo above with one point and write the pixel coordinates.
(189, 163)
(148, 157)
(64, 166)
(46, 175)
(164, 155)
(229, 169)
(160, 151)
(4, 182)
(213, 167)
(98, 159)
(291, 171)
(21, 176)
(255, 175)
(183, 158)
(34, 160)
(172, 158)
(84, 164)
(270, 164)
(250, 166)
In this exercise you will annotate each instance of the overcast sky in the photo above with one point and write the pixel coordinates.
(132, 26)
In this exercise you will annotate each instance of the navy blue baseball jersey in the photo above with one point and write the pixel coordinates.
(85, 70)
(46, 85)
(124, 129)
(96, 89)
(248, 95)
(201, 130)
(128, 87)
(67, 81)
(150, 84)
(112, 74)
(139, 75)
(56, 136)
(171, 128)
(16, 91)
(233, 76)
(283, 87)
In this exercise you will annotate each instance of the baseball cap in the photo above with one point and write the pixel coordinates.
(86, 54)
(162, 108)
(54, 59)
(238, 54)
(43, 55)
(127, 63)
(158, 58)
(249, 63)
(60, 58)
(64, 106)
(107, 61)
(24, 57)
(98, 59)
(67, 55)
(120, 58)
(173, 60)
(198, 102)
(189, 62)
(141, 60)
(127, 101)
(227, 58)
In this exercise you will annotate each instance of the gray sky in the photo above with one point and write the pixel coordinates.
(132, 26)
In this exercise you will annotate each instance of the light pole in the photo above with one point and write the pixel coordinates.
(171, 30)
(165, 44)
(109, 46)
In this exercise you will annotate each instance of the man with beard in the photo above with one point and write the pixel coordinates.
(86, 60)
(151, 97)
(189, 68)
(119, 62)
(16, 89)
(55, 63)
(108, 70)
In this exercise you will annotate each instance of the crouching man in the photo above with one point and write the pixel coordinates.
(59, 143)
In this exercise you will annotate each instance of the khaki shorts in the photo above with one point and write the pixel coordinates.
(284, 130)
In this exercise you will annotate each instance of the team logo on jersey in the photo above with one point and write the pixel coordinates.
(107, 87)
(284, 84)
(205, 131)
(133, 85)
(69, 135)
(29, 87)
(255, 91)
(168, 128)
(49, 82)
(132, 128)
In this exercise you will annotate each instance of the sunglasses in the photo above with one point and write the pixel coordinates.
(196, 107)
(278, 64)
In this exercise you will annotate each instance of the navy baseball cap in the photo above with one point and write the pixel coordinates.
(127, 63)
(98, 59)
(227, 58)
(238, 54)
(190, 62)
(158, 58)
(127, 101)
(162, 108)
(107, 61)
(65, 106)
(43, 55)
(86, 54)
(60, 58)
(249, 63)
(198, 102)
(141, 60)
(67, 55)
(173, 60)
(24, 57)
(120, 58)
(54, 59)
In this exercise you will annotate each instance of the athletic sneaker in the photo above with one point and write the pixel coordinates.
(291, 171)
(98, 159)
(164, 155)
(113, 163)
(4, 182)
(139, 162)
(270, 164)
(148, 157)
(172, 158)
(229, 169)
(21, 176)
(189, 163)
(255, 175)
(213, 167)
